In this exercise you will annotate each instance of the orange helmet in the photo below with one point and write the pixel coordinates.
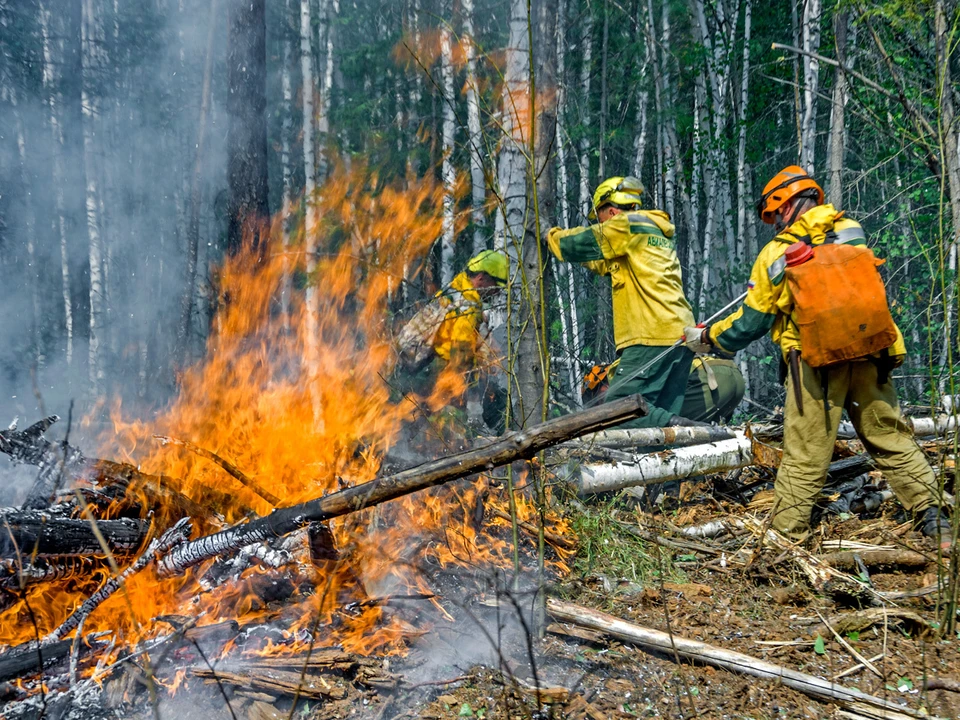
(785, 185)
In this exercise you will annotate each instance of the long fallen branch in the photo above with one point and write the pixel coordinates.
(512, 446)
(659, 467)
(630, 438)
(36, 532)
(671, 644)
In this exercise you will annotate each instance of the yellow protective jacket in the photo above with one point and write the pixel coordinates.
(459, 333)
(768, 306)
(636, 249)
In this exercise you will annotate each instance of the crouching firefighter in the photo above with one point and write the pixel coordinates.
(635, 248)
(817, 289)
(451, 332)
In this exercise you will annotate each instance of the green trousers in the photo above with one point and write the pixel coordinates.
(662, 385)
(716, 404)
(808, 440)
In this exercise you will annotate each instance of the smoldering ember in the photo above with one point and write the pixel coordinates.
(481, 359)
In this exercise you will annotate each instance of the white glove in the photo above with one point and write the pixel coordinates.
(694, 340)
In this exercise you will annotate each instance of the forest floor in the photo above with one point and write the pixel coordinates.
(765, 609)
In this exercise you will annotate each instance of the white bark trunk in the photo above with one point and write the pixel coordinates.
(564, 272)
(51, 59)
(448, 172)
(669, 151)
(838, 126)
(91, 58)
(311, 227)
(645, 33)
(810, 29)
(329, 9)
(663, 466)
(478, 183)
(586, 53)
(740, 239)
(286, 129)
(630, 438)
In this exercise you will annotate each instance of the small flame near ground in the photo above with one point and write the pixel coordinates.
(301, 414)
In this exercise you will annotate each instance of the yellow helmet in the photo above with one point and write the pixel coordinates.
(616, 191)
(491, 262)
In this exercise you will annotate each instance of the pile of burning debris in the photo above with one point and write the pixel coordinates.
(271, 614)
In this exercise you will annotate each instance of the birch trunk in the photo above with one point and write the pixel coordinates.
(740, 239)
(604, 52)
(92, 44)
(838, 129)
(645, 33)
(478, 183)
(512, 177)
(660, 467)
(448, 172)
(311, 227)
(286, 130)
(667, 138)
(810, 29)
(564, 271)
(329, 9)
(51, 61)
(586, 69)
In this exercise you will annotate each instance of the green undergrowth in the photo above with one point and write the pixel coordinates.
(607, 547)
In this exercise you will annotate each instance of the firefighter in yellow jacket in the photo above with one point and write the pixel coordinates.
(816, 396)
(635, 248)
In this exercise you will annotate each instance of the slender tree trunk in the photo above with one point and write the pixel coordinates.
(838, 129)
(196, 187)
(668, 137)
(311, 225)
(645, 35)
(92, 43)
(566, 280)
(586, 70)
(533, 363)
(512, 174)
(604, 52)
(478, 184)
(247, 123)
(740, 239)
(810, 29)
(330, 10)
(448, 173)
(286, 130)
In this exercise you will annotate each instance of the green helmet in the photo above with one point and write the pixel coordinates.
(491, 262)
(616, 191)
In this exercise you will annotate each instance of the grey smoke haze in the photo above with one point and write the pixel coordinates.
(149, 97)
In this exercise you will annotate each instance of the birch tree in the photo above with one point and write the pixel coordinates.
(92, 48)
(286, 131)
(838, 107)
(448, 173)
(741, 237)
(478, 183)
(51, 60)
(810, 32)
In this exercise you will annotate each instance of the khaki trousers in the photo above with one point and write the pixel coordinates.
(808, 441)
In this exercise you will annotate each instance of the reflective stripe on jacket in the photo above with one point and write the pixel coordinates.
(636, 249)
(768, 306)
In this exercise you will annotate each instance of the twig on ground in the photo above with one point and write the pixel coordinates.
(849, 648)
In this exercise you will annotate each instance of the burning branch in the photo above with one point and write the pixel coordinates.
(513, 446)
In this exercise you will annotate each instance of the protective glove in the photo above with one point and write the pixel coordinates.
(697, 339)
(678, 421)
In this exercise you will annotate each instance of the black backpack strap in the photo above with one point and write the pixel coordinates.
(884, 364)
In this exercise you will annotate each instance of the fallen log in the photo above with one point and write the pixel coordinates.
(512, 446)
(627, 439)
(847, 561)
(671, 644)
(659, 467)
(36, 532)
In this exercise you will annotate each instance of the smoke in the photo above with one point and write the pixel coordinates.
(141, 153)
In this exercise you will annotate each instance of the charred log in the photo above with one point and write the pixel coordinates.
(36, 532)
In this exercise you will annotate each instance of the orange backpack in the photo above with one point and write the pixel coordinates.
(840, 303)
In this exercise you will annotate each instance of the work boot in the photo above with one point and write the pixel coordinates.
(933, 523)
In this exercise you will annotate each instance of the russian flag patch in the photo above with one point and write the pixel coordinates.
(750, 284)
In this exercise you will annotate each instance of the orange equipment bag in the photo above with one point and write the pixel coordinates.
(840, 303)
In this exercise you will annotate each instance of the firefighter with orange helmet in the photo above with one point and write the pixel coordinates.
(635, 248)
(816, 289)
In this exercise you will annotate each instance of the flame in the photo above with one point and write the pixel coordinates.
(299, 413)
